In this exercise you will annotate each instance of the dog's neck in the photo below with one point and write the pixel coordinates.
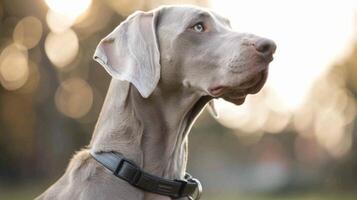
(152, 132)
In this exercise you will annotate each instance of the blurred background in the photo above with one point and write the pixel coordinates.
(296, 139)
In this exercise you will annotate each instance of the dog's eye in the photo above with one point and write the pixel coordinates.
(199, 27)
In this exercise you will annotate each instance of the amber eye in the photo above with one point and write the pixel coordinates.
(199, 27)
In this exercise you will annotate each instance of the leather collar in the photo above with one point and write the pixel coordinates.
(135, 176)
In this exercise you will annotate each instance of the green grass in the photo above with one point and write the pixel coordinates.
(20, 192)
(297, 196)
(30, 191)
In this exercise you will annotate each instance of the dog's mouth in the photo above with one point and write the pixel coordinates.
(237, 94)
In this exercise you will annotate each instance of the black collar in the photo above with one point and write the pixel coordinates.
(131, 173)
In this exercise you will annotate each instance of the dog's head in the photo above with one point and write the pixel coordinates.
(184, 47)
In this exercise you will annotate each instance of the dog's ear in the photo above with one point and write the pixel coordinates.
(131, 52)
(212, 109)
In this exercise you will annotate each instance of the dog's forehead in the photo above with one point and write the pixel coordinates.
(185, 14)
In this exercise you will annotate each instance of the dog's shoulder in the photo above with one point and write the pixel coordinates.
(81, 166)
(80, 169)
(79, 159)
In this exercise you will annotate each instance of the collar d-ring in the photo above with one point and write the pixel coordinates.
(198, 192)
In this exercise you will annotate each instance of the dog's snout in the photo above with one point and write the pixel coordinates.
(265, 46)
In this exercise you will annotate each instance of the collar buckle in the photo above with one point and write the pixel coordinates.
(198, 192)
(127, 170)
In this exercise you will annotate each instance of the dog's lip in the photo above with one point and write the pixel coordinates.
(251, 86)
(259, 84)
(251, 82)
(237, 101)
(269, 59)
(218, 90)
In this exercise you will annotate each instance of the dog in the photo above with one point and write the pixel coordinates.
(166, 65)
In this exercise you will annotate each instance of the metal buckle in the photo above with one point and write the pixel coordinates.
(137, 174)
(198, 191)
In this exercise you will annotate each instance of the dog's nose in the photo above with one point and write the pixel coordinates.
(265, 46)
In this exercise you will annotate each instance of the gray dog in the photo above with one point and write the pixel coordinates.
(166, 65)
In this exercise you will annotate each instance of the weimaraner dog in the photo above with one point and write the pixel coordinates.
(166, 65)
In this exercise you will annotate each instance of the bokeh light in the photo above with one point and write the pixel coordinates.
(260, 113)
(28, 32)
(126, 7)
(13, 67)
(92, 22)
(203, 3)
(74, 97)
(33, 80)
(58, 22)
(62, 48)
(332, 114)
(248, 118)
(69, 8)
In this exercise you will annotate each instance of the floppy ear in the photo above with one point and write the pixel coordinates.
(212, 109)
(131, 52)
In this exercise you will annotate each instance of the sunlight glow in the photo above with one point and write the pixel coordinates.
(310, 35)
(126, 7)
(70, 8)
(57, 22)
(65, 13)
(302, 90)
